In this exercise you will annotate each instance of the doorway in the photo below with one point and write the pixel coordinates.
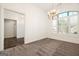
(9, 33)
(13, 28)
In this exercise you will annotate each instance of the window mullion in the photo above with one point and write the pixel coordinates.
(68, 25)
(58, 23)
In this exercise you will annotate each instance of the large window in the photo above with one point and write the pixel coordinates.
(66, 22)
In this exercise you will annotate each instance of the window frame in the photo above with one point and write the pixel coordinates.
(68, 22)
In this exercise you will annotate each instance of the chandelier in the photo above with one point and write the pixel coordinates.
(52, 13)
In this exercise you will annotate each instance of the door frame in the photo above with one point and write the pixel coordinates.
(2, 26)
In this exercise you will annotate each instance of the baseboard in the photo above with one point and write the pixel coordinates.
(36, 41)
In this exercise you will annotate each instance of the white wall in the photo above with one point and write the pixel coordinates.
(36, 26)
(1, 29)
(65, 37)
(20, 26)
(68, 7)
(9, 28)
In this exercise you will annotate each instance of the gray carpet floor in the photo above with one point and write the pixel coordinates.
(44, 47)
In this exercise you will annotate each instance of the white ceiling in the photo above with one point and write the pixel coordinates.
(47, 6)
(50, 6)
(44, 6)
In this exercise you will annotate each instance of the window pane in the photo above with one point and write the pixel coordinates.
(63, 28)
(73, 13)
(62, 14)
(73, 24)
